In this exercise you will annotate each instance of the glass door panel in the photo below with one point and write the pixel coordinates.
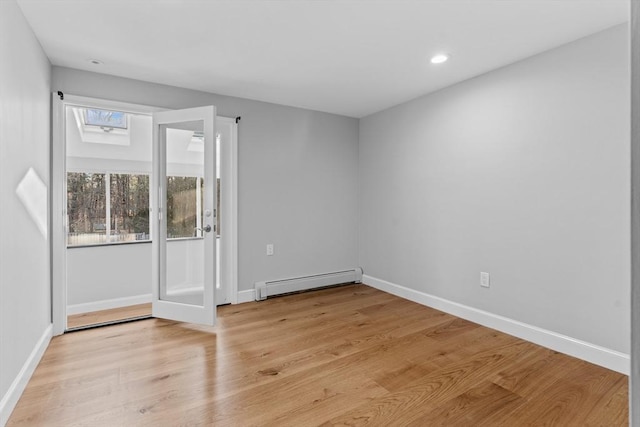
(184, 245)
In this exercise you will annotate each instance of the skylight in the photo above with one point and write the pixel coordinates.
(197, 142)
(102, 126)
(105, 118)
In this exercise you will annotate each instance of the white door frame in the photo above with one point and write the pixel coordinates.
(59, 201)
(229, 208)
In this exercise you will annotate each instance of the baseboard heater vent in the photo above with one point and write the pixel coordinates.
(298, 284)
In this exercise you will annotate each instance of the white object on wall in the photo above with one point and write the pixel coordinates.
(278, 287)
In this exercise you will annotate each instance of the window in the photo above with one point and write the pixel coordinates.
(86, 209)
(105, 119)
(184, 206)
(129, 207)
(107, 208)
(97, 126)
(98, 213)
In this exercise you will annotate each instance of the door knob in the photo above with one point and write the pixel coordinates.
(206, 229)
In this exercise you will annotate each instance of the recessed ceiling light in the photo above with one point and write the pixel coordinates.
(95, 61)
(439, 59)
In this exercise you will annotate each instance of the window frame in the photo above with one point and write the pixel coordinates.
(107, 203)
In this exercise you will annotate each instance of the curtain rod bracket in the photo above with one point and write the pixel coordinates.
(61, 95)
(238, 119)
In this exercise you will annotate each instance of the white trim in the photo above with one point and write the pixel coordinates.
(58, 216)
(248, 295)
(11, 397)
(107, 207)
(233, 229)
(229, 207)
(107, 304)
(596, 354)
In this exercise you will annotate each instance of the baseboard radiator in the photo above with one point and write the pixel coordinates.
(298, 284)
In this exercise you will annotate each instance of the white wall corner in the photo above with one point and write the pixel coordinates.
(610, 359)
(359, 274)
(11, 397)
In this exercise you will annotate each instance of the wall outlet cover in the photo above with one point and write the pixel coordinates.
(484, 279)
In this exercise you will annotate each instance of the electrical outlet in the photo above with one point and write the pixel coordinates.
(270, 249)
(484, 279)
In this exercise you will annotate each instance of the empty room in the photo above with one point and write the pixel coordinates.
(300, 213)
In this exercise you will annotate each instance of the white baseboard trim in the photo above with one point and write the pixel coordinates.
(11, 397)
(246, 296)
(611, 359)
(108, 304)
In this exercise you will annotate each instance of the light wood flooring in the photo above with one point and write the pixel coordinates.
(344, 356)
(111, 315)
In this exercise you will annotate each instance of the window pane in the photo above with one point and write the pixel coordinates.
(129, 207)
(104, 118)
(86, 211)
(182, 207)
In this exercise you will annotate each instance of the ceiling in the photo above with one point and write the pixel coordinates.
(348, 57)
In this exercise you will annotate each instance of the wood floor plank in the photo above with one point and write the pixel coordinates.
(571, 398)
(349, 355)
(534, 371)
(484, 404)
(407, 405)
(612, 408)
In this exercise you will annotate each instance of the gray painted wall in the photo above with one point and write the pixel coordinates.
(298, 175)
(25, 296)
(523, 173)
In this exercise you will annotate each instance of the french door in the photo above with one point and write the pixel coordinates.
(183, 213)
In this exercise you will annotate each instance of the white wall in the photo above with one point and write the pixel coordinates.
(135, 157)
(523, 173)
(25, 295)
(298, 178)
(83, 155)
(99, 274)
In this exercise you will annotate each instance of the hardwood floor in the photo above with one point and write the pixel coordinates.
(344, 356)
(102, 316)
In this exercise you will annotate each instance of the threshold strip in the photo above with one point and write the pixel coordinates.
(109, 323)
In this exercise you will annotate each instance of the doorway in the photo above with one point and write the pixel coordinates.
(102, 194)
